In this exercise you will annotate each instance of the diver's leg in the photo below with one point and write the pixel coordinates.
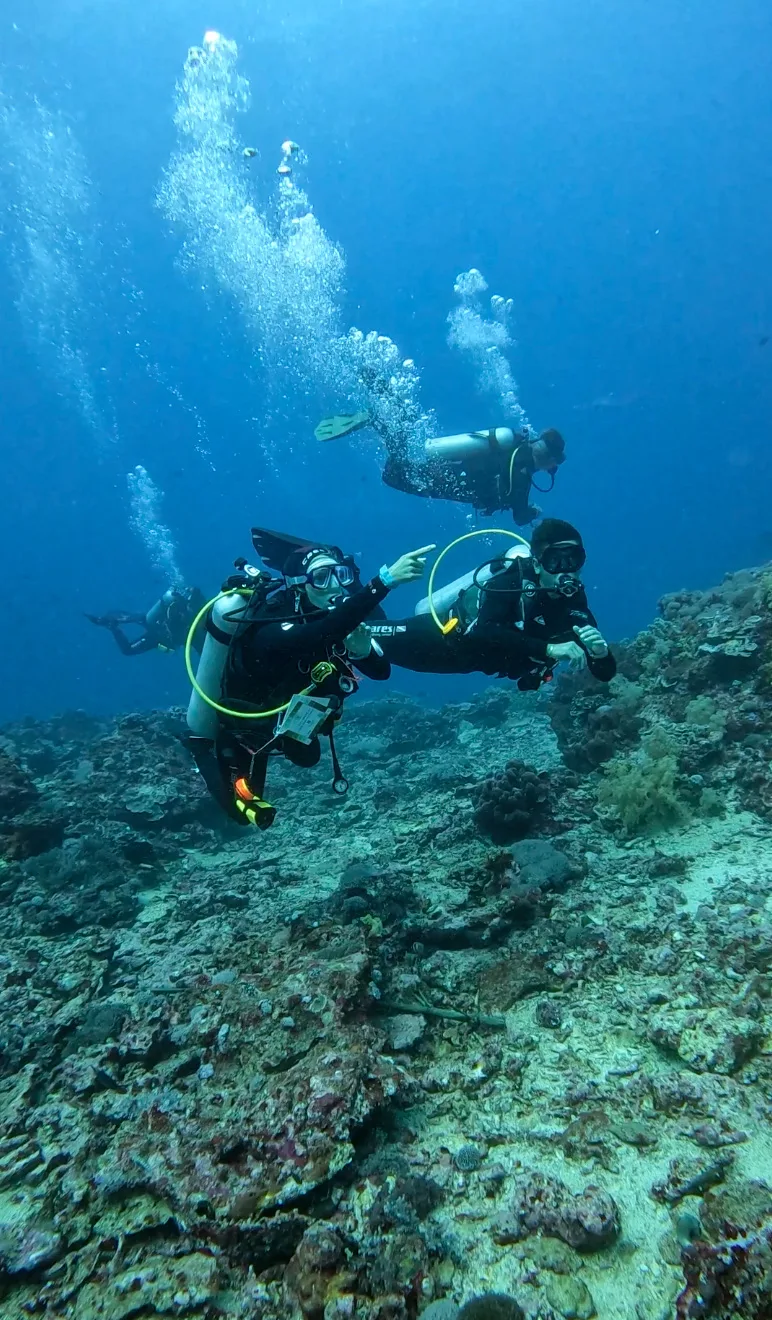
(234, 777)
(216, 774)
(302, 754)
(125, 646)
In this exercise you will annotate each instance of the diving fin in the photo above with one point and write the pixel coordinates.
(275, 547)
(334, 428)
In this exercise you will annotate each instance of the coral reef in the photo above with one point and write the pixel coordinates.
(512, 803)
(393, 1059)
(640, 794)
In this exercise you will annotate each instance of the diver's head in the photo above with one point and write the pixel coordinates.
(549, 451)
(558, 553)
(320, 573)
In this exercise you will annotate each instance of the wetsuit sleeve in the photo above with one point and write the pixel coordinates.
(522, 511)
(581, 616)
(331, 626)
(603, 669)
(375, 665)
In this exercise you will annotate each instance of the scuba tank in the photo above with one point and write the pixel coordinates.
(448, 596)
(158, 612)
(224, 617)
(473, 444)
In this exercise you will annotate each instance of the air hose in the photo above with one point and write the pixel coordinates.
(215, 705)
(448, 627)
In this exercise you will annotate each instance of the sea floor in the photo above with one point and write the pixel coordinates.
(373, 1024)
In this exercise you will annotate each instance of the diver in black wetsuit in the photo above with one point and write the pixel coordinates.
(165, 626)
(490, 480)
(295, 654)
(490, 470)
(528, 615)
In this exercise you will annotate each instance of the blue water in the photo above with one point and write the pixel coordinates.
(606, 167)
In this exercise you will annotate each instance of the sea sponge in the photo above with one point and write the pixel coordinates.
(639, 793)
(513, 803)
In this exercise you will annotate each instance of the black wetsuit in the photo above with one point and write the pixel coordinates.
(482, 480)
(270, 660)
(516, 623)
(165, 626)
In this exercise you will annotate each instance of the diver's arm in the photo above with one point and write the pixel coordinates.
(523, 512)
(417, 643)
(602, 667)
(512, 643)
(375, 665)
(334, 625)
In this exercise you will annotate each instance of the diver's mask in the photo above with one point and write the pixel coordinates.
(325, 576)
(562, 559)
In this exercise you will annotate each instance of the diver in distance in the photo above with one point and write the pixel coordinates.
(281, 656)
(517, 617)
(490, 470)
(164, 627)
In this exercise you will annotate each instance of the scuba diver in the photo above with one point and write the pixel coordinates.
(165, 626)
(280, 657)
(490, 470)
(517, 617)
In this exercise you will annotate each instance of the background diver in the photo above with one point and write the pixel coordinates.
(516, 617)
(164, 627)
(289, 649)
(490, 470)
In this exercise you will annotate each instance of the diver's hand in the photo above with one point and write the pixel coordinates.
(593, 642)
(102, 620)
(409, 567)
(359, 642)
(570, 651)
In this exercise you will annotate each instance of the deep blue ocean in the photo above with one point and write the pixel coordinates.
(607, 167)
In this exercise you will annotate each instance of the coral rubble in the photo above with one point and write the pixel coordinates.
(485, 1038)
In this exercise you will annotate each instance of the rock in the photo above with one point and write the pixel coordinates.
(714, 1040)
(550, 1254)
(26, 1247)
(491, 1306)
(17, 790)
(571, 1298)
(310, 1275)
(442, 1309)
(404, 1030)
(547, 1014)
(633, 1133)
(543, 866)
(160, 1285)
(102, 1021)
(587, 1221)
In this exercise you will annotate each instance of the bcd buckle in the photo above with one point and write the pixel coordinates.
(321, 672)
